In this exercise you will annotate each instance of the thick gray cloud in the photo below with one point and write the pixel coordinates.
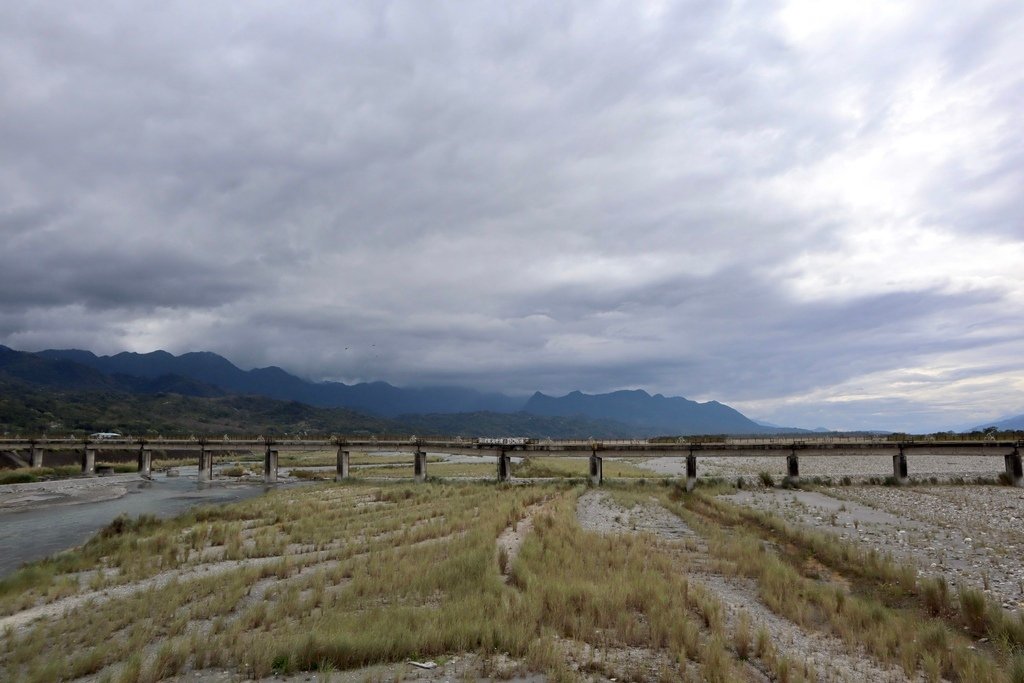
(810, 212)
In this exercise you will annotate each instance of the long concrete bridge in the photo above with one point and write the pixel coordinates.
(503, 449)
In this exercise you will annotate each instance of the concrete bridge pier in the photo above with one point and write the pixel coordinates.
(342, 465)
(1014, 471)
(504, 466)
(691, 471)
(596, 469)
(270, 466)
(37, 457)
(899, 467)
(145, 462)
(419, 466)
(792, 470)
(88, 461)
(205, 464)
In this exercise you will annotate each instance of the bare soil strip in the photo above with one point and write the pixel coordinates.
(511, 539)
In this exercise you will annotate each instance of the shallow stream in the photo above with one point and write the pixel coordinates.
(37, 532)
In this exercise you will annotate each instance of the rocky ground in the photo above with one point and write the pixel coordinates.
(464, 667)
(65, 491)
(857, 467)
(971, 535)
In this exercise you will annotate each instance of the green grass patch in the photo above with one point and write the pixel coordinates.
(25, 475)
(18, 476)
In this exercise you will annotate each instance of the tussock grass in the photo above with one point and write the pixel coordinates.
(324, 458)
(552, 467)
(21, 475)
(741, 636)
(894, 583)
(27, 475)
(619, 591)
(935, 596)
(441, 540)
(348, 575)
(161, 464)
(874, 568)
(328, 458)
(118, 467)
(359, 575)
(482, 469)
(324, 475)
(883, 610)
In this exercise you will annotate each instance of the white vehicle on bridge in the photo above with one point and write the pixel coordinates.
(504, 441)
(105, 435)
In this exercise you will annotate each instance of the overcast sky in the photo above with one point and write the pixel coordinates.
(811, 211)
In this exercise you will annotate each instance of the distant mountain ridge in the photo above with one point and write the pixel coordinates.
(1006, 423)
(379, 398)
(57, 373)
(206, 374)
(40, 394)
(660, 414)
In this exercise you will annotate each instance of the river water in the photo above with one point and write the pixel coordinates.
(38, 532)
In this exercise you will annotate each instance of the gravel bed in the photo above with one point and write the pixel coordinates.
(971, 535)
(858, 467)
(65, 491)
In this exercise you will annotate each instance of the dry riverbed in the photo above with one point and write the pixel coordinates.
(472, 581)
(971, 535)
(65, 491)
(858, 467)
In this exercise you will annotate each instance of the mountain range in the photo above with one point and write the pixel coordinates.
(1015, 422)
(438, 409)
(218, 373)
(655, 413)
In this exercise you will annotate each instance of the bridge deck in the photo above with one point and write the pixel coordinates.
(503, 449)
(634, 448)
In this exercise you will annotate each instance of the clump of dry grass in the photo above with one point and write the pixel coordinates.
(119, 467)
(25, 475)
(973, 608)
(741, 635)
(483, 470)
(935, 595)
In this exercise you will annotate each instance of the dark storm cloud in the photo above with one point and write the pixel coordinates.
(53, 257)
(764, 204)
